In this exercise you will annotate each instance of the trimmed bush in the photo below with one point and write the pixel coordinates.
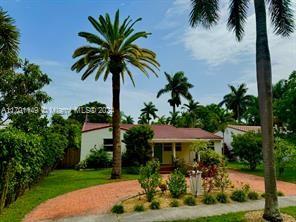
(174, 203)
(253, 195)
(177, 184)
(139, 208)
(117, 209)
(190, 201)
(222, 198)
(155, 205)
(98, 158)
(209, 199)
(239, 196)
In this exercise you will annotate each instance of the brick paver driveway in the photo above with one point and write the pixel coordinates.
(99, 199)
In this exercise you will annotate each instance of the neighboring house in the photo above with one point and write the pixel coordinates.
(231, 130)
(168, 142)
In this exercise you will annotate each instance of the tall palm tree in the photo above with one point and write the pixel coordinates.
(9, 41)
(191, 110)
(127, 119)
(178, 86)
(149, 110)
(237, 100)
(112, 50)
(282, 19)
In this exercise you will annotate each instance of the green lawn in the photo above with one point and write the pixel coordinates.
(57, 183)
(289, 174)
(234, 217)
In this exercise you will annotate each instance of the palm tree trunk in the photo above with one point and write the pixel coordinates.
(238, 114)
(264, 84)
(174, 109)
(116, 170)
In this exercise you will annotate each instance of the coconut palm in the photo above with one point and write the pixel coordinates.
(207, 14)
(111, 50)
(191, 110)
(178, 86)
(161, 120)
(237, 100)
(9, 41)
(127, 119)
(149, 111)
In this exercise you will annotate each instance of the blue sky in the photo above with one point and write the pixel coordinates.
(211, 59)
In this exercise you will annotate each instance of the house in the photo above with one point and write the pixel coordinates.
(231, 130)
(167, 144)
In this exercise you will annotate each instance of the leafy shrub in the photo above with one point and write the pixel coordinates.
(98, 158)
(246, 188)
(149, 178)
(177, 184)
(174, 203)
(209, 199)
(117, 209)
(239, 196)
(253, 195)
(248, 147)
(190, 200)
(163, 186)
(221, 179)
(139, 208)
(285, 155)
(138, 148)
(155, 205)
(81, 165)
(222, 197)
(280, 193)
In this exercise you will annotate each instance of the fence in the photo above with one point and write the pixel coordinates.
(71, 158)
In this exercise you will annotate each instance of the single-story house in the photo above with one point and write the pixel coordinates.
(167, 144)
(231, 130)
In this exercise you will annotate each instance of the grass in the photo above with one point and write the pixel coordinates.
(289, 175)
(234, 217)
(57, 183)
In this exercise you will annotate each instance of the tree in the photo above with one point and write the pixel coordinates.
(252, 115)
(283, 22)
(127, 120)
(162, 120)
(9, 41)
(178, 86)
(191, 110)
(93, 112)
(149, 110)
(112, 50)
(248, 147)
(237, 100)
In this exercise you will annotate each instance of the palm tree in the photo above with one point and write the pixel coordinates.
(9, 41)
(128, 119)
(191, 110)
(111, 50)
(237, 100)
(178, 86)
(149, 110)
(283, 21)
(161, 120)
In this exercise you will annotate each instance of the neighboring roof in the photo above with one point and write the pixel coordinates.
(245, 128)
(161, 131)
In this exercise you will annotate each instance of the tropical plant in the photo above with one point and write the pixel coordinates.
(98, 158)
(239, 196)
(161, 120)
(149, 111)
(209, 199)
(155, 205)
(177, 184)
(237, 100)
(191, 110)
(112, 50)
(252, 115)
(283, 22)
(127, 120)
(178, 86)
(9, 41)
(117, 209)
(190, 200)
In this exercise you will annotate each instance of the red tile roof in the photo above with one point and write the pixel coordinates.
(160, 131)
(246, 128)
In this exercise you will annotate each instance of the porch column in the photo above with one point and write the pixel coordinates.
(174, 150)
(152, 147)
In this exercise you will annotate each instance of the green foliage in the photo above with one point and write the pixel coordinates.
(253, 195)
(190, 200)
(222, 197)
(155, 205)
(139, 208)
(98, 158)
(209, 199)
(285, 155)
(132, 170)
(138, 149)
(248, 147)
(210, 157)
(149, 178)
(239, 196)
(81, 165)
(177, 184)
(117, 209)
(174, 203)
(222, 180)
(94, 111)
(280, 193)
(149, 111)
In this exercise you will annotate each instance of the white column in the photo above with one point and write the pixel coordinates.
(174, 150)
(152, 147)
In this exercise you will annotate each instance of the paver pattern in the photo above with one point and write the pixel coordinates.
(99, 199)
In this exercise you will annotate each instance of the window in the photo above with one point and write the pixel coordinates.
(108, 145)
(167, 147)
(211, 146)
(178, 146)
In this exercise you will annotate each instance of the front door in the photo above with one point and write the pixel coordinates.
(158, 152)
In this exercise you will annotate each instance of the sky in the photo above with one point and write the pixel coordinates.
(211, 59)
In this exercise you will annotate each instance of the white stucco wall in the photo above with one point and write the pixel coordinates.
(228, 133)
(96, 138)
